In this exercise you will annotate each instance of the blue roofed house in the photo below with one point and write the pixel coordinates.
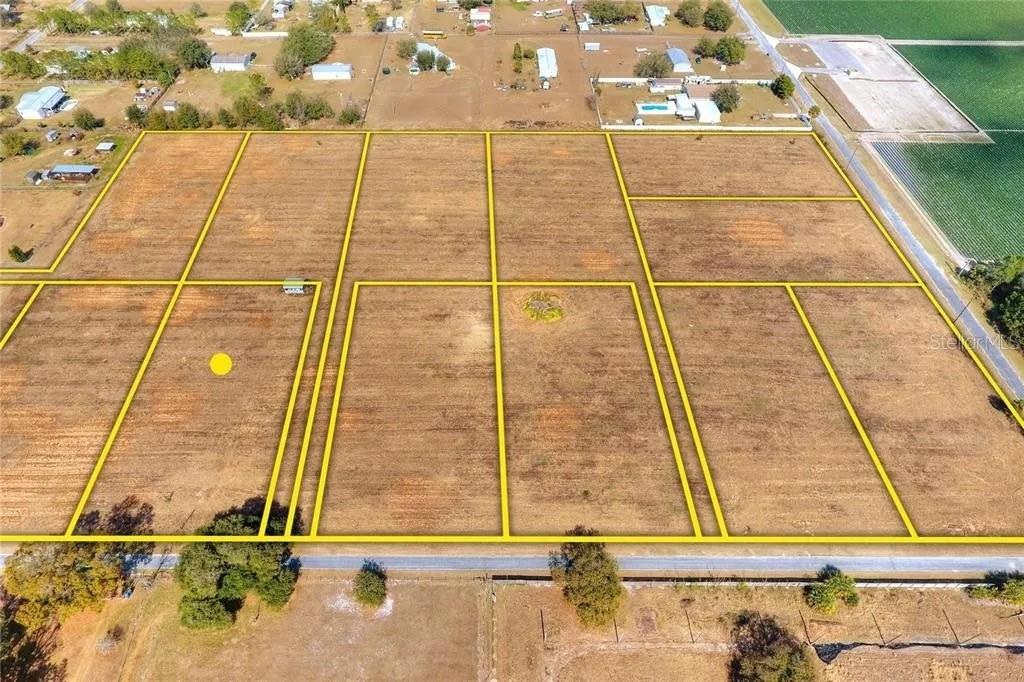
(680, 62)
(42, 103)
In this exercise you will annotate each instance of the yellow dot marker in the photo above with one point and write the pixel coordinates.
(220, 364)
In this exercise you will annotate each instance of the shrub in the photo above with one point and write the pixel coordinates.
(305, 108)
(766, 652)
(730, 50)
(425, 60)
(52, 581)
(690, 13)
(194, 53)
(705, 47)
(350, 115)
(216, 578)
(727, 97)
(1007, 311)
(5, 100)
(16, 143)
(19, 65)
(783, 87)
(407, 48)
(1004, 587)
(305, 45)
(607, 12)
(226, 118)
(543, 307)
(17, 254)
(135, 115)
(237, 16)
(831, 588)
(86, 120)
(718, 16)
(653, 65)
(196, 10)
(589, 577)
(814, 111)
(529, 53)
(443, 63)
(204, 614)
(370, 588)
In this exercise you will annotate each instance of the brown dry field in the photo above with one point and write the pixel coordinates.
(12, 299)
(278, 219)
(41, 220)
(953, 457)
(154, 211)
(445, 629)
(783, 452)
(425, 632)
(541, 213)
(65, 374)
(469, 97)
(422, 210)
(800, 54)
(691, 165)
(655, 624)
(225, 429)
(586, 438)
(808, 241)
(416, 444)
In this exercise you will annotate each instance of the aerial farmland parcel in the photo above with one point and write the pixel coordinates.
(971, 190)
(546, 330)
(909, 19)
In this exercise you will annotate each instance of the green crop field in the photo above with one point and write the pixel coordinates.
(923, 19)
(986, 82)
(972, 191)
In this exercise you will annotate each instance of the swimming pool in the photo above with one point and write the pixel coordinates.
(656, 108)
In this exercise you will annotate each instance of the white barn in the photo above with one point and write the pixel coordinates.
(230, 62)
(41, 103)
(707, 112)
(547, 65)
(336, 71)
(680, 62)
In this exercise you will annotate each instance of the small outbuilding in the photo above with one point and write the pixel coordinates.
(336, 71)
(52, 135)
(42, 103)
(657, 14)
(34, 177)
(547, 65)
(232, 61)
(106, 146)
(680, 62)
(707, 112)
(170, 105)
(69, 172)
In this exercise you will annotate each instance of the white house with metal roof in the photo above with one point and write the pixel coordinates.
(707, 112)
(41, 103)
(547, 65)
(230, 62)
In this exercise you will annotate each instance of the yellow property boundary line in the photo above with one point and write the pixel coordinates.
(544, 539)
(698, 538)
(119, 420)
(503, 472)
(85, 219)
(673, 359)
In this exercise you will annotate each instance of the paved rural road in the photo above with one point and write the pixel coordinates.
(981, 339)
(764, 566)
